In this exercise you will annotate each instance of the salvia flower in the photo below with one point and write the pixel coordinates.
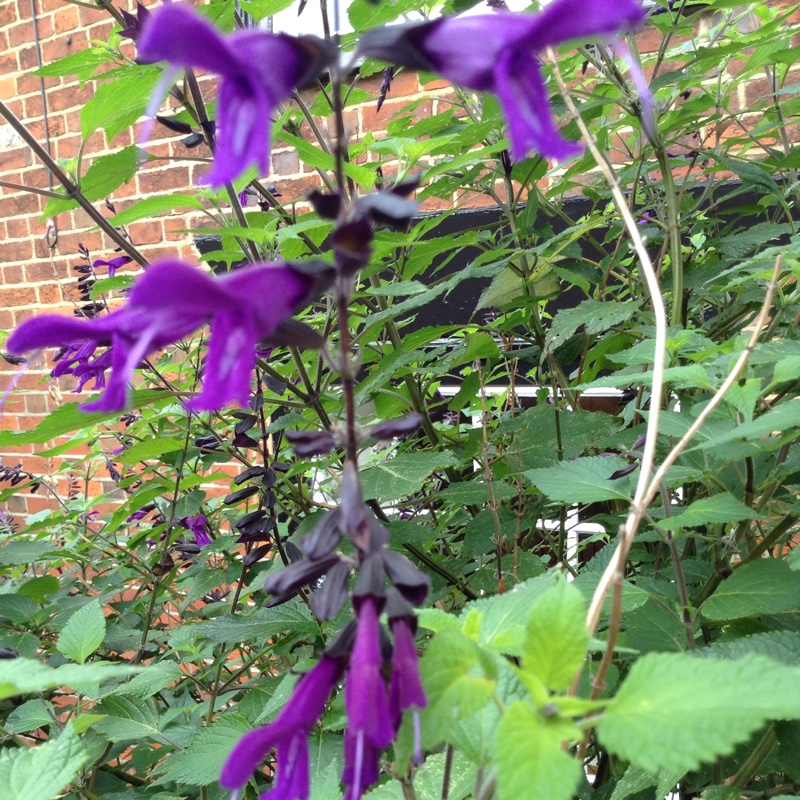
(288, 734)
(369, 726)
(172, 300)
(259, 70)
(498, 53)
(113, 265)
(198, 525)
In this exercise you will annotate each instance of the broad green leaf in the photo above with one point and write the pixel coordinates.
(200, 763)
(23, 552)
(82, 64)
(508, 285)
(148, 449)
(503, 616)
(261, 9)
(113, 284)
(718, 508)
(556, 637)
(127, 718)
(28, 676)
(774, 423)
(83, 633)
(152, 679)
(117, 104)
(651, 627)
(403, 475)
(257, 626)
(783, 646)
(38, 589)
(105, 174)
(632, 595)
(594, 316)
(69, 417)
(41, 772)
(584, 480)
(151, 206)
(31, 715)
(530, 760)
(455, 683)
(765, 586)
(675, 711)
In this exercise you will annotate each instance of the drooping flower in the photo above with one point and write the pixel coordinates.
(78, 359)
(259, 70)
(369, 725)
(113, 265)
(199, 527)
(172, 300)
(288, 734)
(498, 53)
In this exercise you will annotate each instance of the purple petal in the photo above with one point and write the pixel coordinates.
(366, 699)
(229, 363)
(566, 20)
(248, 753)
(523, 96)
(54, 331)
(405, 689)
(292, 779)
(186, 39)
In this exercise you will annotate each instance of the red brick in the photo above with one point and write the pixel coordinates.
(172, 179)
(285, 163)
(19, 296)
(8, 63)
(18, 158)
(12, 273)
(8, 13)
(65, 19)
(374, 120)
(28, 58)
(41, 272)
(50, 294)
(36, 403)
(146, 232)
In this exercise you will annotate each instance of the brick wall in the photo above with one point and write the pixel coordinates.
(38, 277)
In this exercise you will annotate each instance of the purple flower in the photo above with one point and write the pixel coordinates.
(172, 300)
(259, 70)
(288, 734)
(497, 53)
(134, 23)
(369, 724)
(198, 525)
(405, 689)
(112, 265)
(76, 359)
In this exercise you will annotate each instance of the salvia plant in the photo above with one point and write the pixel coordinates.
(343, 518)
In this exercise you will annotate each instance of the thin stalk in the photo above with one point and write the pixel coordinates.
(72, 189)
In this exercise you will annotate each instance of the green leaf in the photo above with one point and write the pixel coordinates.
(113, 284)
(403, 475)
(27, 676)
(776, 422)
(151, 206)
(584, 480)
(652, 627)
(257, 626)
(152, 679)
(31, 715)
(68, 418)
(675, 711)
(783, 646)
(116, 105)
(718, 508)
(42, 772)
(509, 285)
(105, 174)
(261, 9)
(149, 449)
(556, 637)
(82, 64)
(13, 553)
(200, 763)
(39, 588)
(503, 615)
(530, 760)
(594, 316)
(127, 718)
(765, 586)
(455, 683)
(83, 633)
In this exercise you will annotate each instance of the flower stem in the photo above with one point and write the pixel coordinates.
(72, 189)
